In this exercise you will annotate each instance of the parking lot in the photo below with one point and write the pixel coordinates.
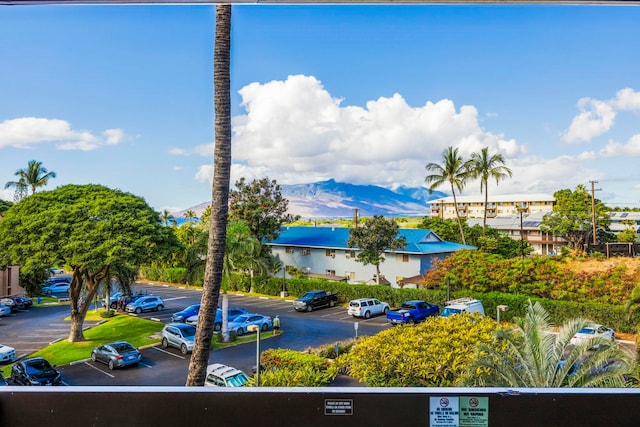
(39, 326)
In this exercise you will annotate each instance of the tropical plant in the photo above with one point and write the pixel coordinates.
(453, 170)
(33, 176)
(532, 355)
(98, 232)
(377, 235)
(220, 198)
(168, 218)
(190, 215)
(485, 166)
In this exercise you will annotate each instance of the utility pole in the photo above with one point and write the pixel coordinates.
(593, 208)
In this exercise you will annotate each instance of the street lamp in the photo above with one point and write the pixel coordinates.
(256, 329)
(501, 308)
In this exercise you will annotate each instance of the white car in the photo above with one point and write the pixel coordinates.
(367, 307)
(589, 333)
(7, 354)
(219, 375)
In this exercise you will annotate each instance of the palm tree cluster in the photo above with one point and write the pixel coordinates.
(456, 171)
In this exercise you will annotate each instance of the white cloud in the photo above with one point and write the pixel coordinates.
(203, 150)
(26, 132)
(296, 132)
(7, 194)
(627, 99)
(615, 149)
(595, 118)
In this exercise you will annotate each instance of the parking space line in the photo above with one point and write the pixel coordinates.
(173, 299)
(99, 370)
(145, 365)
(168, 352)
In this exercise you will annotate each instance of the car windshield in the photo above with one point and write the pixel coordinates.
(237, 380)
(588, 331)
(407, 306)
(123, 347)
(354, 304)
(241, 319)
(188, 331)
(37, 366)
(448, 311)
(195, 307)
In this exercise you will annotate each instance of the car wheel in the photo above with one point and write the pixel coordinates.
(264, 327)
(49, 293)
(111, 365)
(217, 326)
(386, 310)
(160, 307)
(93, 357)
(240, 332)
(411, 321)
(165, 343)
(367, 315)
(183, 349)
(113, 305)
(309, 308)
(332, 303)
(138, 310)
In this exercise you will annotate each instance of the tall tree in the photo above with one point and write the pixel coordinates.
(376, 236)
(33, 176)
(485, 166)
(261, 205)
(572, 216)
(531, 355)
(168, 218)
(453, 170)
(190, 215)
(96, 231)
(219, 200)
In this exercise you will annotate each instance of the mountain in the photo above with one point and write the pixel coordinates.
(331, 199)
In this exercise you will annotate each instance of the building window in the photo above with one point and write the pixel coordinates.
(350, 254)
(288, 250)
(331, 253)
(402, 258)
(331, 272)
(306, 251)
(351, 275)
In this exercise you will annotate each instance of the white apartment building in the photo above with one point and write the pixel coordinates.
(502, 205)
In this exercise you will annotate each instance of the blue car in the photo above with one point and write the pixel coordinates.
(183, 315)
(232, 313)
(243, 323)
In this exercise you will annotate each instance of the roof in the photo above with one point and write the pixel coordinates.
(419, 241)
(530, 221)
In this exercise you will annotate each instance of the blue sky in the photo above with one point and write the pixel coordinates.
(122, 95)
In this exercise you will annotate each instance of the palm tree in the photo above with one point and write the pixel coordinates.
(167, 218)
(484, 166)
(190, 215)
(455, 171)
(220, 197)
(34, 175)
(531, 355)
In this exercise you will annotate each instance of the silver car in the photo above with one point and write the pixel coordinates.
(179, 335)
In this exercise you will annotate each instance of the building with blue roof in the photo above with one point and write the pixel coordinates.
(323, 252)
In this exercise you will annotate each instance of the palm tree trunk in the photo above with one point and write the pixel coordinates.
(455, 206)
(219, 200)
(486, 200)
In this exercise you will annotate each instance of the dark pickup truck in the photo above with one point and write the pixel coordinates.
(315, 299)
(412, 312)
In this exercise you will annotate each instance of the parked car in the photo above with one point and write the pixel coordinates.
(56, 288)
(54, 271)
(367, 307)
(219, 375)
(232, 313)
(462, 305)
(24, 303)
(592, 332)
(148, 303)
(184, 314)
(240, 325)
(35, 371)
(4, 310)
(179, 335)
(116, 354)
(315, 299)
(412, 312)
(7, 354)
(9, 302)
(114, 300)
(3, 380)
